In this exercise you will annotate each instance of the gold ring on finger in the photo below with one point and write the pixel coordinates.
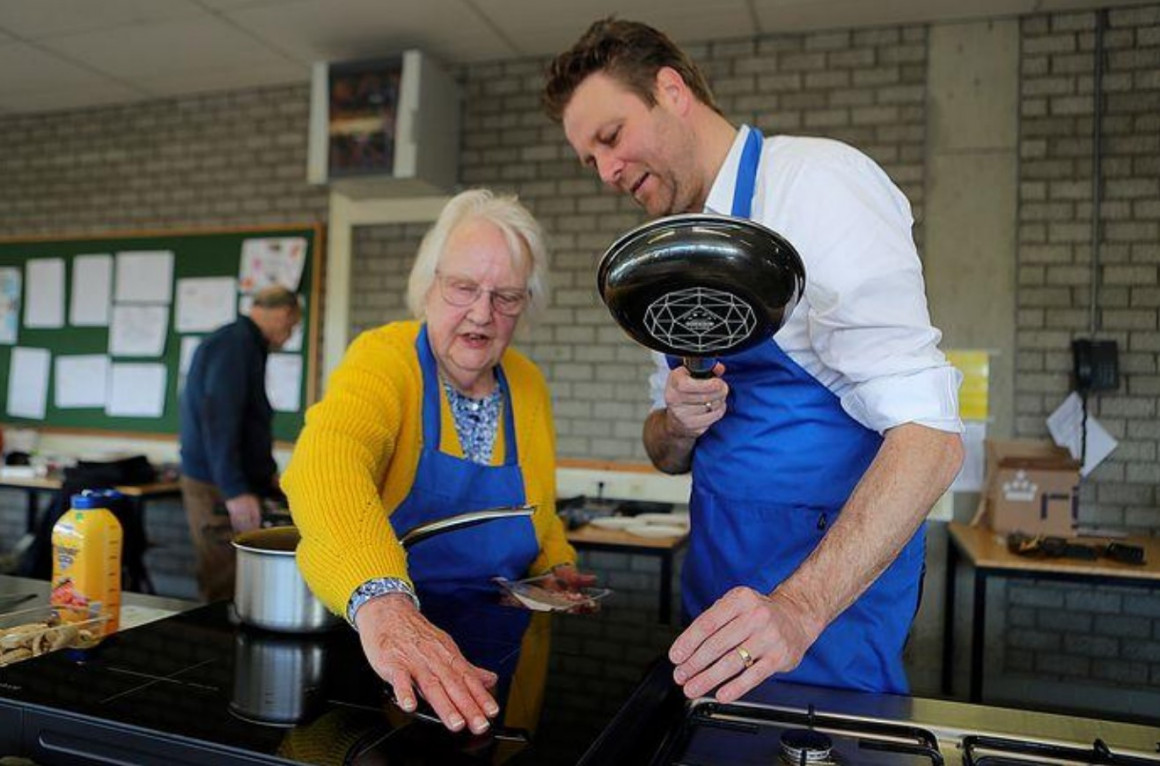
(746, 657)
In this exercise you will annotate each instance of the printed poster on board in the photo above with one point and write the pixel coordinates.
(270, 261)
(10, 280)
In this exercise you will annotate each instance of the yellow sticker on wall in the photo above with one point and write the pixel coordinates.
(975, 366)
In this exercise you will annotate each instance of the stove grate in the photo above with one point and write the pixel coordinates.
(868, 735)
(981, 750)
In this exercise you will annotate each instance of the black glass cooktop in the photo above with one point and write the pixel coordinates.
(199, 688)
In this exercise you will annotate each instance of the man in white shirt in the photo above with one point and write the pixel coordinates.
(815, 456)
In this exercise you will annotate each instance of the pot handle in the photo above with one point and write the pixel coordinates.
(461, 521)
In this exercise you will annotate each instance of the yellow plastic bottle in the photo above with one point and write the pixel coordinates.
(86, 561)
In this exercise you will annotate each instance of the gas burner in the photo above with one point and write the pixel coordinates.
(802, 746)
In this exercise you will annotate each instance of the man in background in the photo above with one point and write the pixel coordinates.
(227, 462)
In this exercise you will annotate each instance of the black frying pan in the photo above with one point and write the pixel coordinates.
(700, 286)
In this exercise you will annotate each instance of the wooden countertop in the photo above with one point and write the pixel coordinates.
(136, 608)
(51, 483)
(986, 548)
(597, 536)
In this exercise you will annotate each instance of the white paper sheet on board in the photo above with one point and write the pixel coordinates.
(145, 276)
(44, 297)
(138, 330)
(92, 291)
(267, 261)
(136, 390)
(294, 342)
(189, 345)
(284, 382)
(11, 280)
(81, 380)
(205, 303)
(28, 382)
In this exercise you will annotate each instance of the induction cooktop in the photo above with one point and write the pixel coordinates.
(200, 688)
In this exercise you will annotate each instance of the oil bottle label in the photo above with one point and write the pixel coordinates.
(65, 557)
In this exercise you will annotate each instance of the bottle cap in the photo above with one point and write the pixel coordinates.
(95, 498)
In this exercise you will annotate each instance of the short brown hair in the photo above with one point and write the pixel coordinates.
(630, 52)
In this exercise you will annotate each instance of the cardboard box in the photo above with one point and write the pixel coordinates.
(1031, 487)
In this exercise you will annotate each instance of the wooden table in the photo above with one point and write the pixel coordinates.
(593, 538)
(35, 486)
(137, 495)
(986, 550)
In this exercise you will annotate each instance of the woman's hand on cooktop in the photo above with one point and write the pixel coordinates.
(407, 652)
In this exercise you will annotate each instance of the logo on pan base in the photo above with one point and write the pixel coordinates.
(699, 320)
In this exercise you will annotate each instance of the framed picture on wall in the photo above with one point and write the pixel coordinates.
(363, 106)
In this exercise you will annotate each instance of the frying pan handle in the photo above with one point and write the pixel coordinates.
(700, 366)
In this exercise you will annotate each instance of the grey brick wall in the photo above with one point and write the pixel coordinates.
(1073, 632)
(381, 262)
(209, 161)
(204, 161)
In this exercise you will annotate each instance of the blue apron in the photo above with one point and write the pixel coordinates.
(446, 486)
(769, 479)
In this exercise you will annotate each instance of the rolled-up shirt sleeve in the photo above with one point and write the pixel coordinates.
(928, 397)
(658, 379)
(867, 320)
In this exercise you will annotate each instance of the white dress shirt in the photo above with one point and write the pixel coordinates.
(861, 328)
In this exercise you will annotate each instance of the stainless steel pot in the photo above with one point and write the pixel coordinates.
(269, 591)
(277, 678)
(698, 286)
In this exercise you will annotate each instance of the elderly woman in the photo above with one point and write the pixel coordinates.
(424, 420)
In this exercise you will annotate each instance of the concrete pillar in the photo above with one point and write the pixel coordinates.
(970, 249)
(971, 196)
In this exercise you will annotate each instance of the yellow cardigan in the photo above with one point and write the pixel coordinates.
(356, 459)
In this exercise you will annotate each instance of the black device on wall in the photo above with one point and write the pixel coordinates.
(1096, 365)
(1096, 368)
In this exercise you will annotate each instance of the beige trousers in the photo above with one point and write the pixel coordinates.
(210, 530)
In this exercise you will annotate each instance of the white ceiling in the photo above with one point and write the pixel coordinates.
(62, 54)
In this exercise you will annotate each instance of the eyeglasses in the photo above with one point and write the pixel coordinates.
(463, 292)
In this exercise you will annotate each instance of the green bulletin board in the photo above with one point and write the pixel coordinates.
(195, 254)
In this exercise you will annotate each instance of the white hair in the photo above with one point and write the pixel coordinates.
(524, 236)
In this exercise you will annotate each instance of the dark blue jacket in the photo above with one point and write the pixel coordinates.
(226, 436)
